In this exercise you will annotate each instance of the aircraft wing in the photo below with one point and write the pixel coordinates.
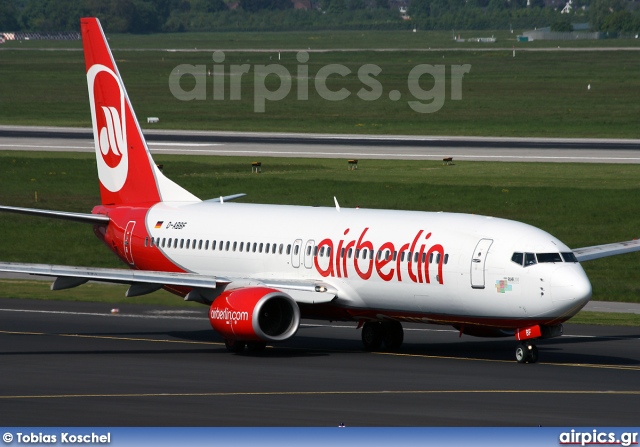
(602, 251)
(141, 281)
(145, 281)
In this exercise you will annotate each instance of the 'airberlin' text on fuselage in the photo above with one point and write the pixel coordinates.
(359, 256)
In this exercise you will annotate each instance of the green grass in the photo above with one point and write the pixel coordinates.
(319, 40)
(606, 318)
(581, 204)
(534, 94)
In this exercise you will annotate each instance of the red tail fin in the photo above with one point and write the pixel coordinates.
(126, 170)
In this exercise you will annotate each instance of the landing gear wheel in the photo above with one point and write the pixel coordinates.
(372, 334)
(526, 353)
(235, 346)
(256, 346)
(393, 335)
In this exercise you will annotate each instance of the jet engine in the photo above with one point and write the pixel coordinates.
(255, 314)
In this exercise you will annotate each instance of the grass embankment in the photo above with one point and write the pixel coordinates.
(534, 94)
(582, 204)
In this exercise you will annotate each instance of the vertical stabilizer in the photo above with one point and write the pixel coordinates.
(127, 173)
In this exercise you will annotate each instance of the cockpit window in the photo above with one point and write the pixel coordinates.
(529, 259)
(569, 257)
(548, 257)
(518, 258)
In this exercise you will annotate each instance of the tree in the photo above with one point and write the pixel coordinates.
(562, 24)
(601, 9)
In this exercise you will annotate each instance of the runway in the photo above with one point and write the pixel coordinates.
(75, 364)
(23, 138)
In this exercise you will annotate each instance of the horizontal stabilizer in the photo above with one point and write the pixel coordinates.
(75, 276)
(602, 251)
(65, 215)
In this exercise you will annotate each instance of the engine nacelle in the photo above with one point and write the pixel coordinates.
(255, 314)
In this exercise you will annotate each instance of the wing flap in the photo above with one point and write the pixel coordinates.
(602, 251)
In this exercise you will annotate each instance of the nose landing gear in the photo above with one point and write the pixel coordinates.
(526, 352)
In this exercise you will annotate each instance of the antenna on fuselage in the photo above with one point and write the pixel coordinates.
(337, 204)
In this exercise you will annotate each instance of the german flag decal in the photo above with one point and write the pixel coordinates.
(159, 224)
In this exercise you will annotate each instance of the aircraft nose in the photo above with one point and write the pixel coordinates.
(570, 283)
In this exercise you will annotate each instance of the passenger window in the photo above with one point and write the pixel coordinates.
(206, 244)
(322, 252)
(296, 250)
(415, 257)
(280, 249)
(446, 258)
(163, 241)
(241, 246)
(235, 246)
(188, 242)
(268, 246)
(569, 257)
(395, 255)
(315, 251)
(529, 259)
(273, 249)
(213, 245)
(226, 247)
(308, 250)
(431, 258)
(289, 249)
(221, 246)
(200, 245)
(175, 243)
(402, 256)
(146, 241)
(437, 258)
(260, 249)
(424, 258)
(181, 243)
(350, 253)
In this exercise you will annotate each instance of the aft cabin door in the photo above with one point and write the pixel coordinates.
(478, 260)
(128, 232)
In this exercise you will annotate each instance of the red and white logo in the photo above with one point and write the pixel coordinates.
(108, 113)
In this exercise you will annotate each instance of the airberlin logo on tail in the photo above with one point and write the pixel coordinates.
(108, 107)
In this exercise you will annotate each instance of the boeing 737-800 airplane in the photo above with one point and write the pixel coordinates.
(261, 268)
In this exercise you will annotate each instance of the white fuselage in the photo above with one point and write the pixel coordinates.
(461, 265)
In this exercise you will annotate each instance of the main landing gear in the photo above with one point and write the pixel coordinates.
(526, 352)
(376, 333)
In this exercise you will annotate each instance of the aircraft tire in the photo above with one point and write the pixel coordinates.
(372, 335)
(522, 353)
(393, 335)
